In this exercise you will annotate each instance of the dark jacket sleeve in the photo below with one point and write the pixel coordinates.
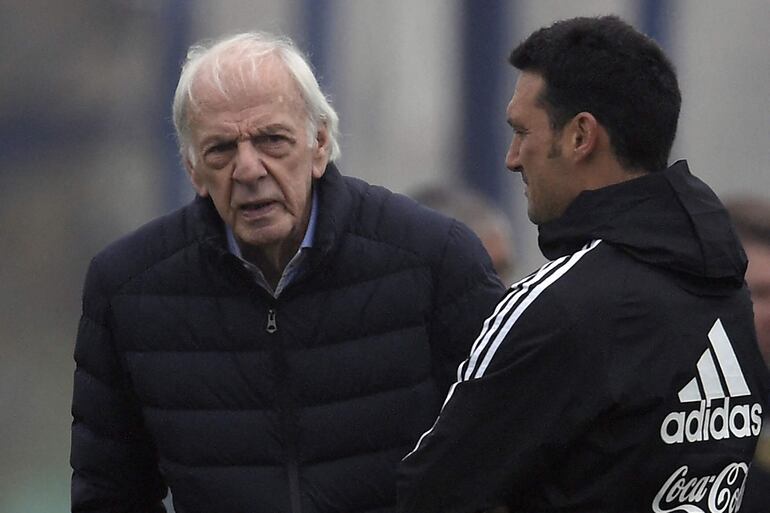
(113, 460)
(467, 289)
(522, 396)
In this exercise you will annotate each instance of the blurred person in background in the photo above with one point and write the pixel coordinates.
(624, 375)
(751, 218)
(480, 215)
(279, 343)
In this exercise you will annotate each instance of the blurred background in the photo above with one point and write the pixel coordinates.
(421, 87)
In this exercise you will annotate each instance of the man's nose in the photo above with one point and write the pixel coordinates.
(248, 163)
(512, 161)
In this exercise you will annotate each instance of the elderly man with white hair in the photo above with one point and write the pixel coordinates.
(279, 343)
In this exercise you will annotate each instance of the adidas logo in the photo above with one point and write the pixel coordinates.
(712, 420)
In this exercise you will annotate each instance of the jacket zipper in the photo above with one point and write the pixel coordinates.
(290, 432)
(272, 324)
(293, 470)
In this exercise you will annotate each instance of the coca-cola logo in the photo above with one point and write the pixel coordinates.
(719, 493)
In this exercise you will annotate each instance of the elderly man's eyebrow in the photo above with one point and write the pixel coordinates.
(273, 128)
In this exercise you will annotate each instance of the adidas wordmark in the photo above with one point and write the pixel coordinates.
(715, 418)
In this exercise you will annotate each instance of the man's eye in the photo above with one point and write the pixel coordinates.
(218, 148)
(275, 145)
(218, 155)
(273, 139)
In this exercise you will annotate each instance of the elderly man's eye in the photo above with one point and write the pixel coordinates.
(273, 139)
(219, 148)
(217, 155)
(275, 145)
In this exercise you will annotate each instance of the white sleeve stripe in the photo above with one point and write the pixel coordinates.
(417, 445)
(542, 278)
(496, 319)
(528, 300)
(510, 309)
(513, 293)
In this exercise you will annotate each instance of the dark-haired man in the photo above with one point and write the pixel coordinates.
(624, 374)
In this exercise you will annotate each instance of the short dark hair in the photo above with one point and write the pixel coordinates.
(606, 67)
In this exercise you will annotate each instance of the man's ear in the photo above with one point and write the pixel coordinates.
(584, 138)
(197, 183)
(321, 151)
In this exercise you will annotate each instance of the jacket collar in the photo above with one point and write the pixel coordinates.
(335, 207)
(670, 219)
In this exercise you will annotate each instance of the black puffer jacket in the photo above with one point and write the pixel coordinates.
(182, 380)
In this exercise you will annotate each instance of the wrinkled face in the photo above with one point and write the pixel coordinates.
(536, 153)
(758, 280)
(253, 156)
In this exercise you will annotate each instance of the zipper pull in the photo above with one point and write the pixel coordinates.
(272, 326)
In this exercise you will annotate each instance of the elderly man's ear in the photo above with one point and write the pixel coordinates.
(321, 152)
(197, 183)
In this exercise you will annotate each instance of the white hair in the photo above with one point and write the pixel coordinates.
(251, 48)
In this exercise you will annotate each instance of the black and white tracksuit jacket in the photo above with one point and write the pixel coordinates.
(623, 375)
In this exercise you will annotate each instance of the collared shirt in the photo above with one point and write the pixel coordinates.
(294, 267)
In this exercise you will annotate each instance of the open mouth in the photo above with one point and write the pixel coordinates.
(257, 205)
(257, 208)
